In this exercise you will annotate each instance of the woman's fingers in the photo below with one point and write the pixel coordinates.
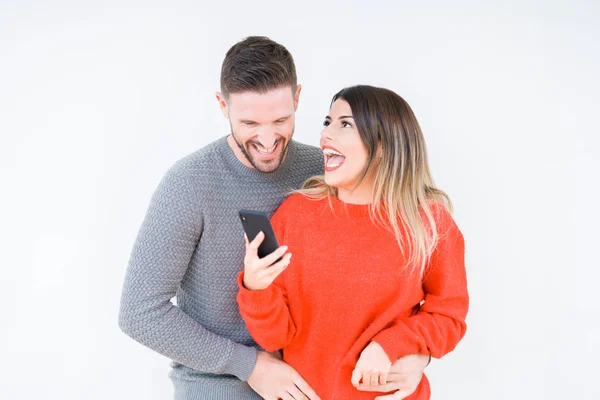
(382, 378)
(259, 273)
(252, 247)
(269, 274)
(388, 387)
(374, 378)
(368, 378)
(356, 377)
(274, 256)
(252, 253)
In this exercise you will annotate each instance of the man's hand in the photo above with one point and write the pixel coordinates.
(403, 378)
(273, 379)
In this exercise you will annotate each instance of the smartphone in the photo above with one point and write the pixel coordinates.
(255, 222)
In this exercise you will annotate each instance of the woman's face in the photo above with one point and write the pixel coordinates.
(345, 154)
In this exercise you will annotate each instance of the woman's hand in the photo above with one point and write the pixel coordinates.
(404, 378)
(259, 273)
(372, 367)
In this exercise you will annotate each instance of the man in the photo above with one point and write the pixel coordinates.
(191, 246)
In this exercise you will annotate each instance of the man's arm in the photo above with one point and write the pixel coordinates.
(160, 257)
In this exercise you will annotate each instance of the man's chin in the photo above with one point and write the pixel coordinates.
(267, 167)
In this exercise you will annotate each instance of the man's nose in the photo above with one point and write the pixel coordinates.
(267, 137)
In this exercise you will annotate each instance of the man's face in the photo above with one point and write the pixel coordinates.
(262, 125)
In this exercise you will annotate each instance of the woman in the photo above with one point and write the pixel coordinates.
(378, 268)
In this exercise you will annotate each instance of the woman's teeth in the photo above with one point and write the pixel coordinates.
(334, 158)
(330, 152)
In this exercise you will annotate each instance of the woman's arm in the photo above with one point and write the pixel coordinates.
(262, 295)
(440, 323)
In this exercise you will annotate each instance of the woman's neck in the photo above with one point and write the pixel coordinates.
(363, 194)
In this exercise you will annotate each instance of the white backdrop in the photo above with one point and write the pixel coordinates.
(98, 99)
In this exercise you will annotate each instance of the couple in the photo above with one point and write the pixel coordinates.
(377, 282)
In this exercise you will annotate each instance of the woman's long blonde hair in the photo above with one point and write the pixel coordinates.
(403, 187)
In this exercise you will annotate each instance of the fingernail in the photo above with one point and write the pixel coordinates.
(284, 248)
(289, 256)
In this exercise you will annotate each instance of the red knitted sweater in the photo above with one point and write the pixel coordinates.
(346, 286)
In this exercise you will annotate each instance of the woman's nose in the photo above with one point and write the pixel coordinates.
(325, 134)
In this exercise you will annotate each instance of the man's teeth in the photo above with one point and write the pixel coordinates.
(262, 150)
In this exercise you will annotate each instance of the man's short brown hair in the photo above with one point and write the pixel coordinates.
(257, 64)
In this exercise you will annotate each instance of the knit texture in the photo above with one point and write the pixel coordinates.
(346, 286)
(191, 247)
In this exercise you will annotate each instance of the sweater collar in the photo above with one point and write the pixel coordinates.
(354, 210)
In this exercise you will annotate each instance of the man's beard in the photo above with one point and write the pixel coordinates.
(271, 166)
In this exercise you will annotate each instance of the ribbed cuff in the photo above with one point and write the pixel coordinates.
(242, 361)
(254, 301)
(395, 342)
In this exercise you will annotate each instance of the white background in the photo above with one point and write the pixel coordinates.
(98, 99)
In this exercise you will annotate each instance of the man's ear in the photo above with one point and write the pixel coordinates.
(297, 97)
(222, 104)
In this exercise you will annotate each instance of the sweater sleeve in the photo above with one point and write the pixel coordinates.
(161, 254)
(266, 312)
(439, 324)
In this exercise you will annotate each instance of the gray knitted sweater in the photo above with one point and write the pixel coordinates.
(191, 246)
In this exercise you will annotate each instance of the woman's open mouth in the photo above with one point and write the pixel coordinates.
(333, 158)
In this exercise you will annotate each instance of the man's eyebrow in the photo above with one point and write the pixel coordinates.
(254, 122)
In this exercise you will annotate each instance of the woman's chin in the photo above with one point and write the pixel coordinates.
(332, 181)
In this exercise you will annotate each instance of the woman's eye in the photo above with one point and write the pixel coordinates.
(346, 124)
(326, 123)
